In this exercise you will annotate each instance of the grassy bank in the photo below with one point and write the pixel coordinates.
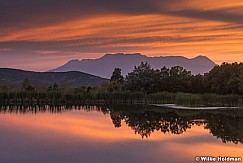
(61, 97)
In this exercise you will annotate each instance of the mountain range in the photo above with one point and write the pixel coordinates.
(105, 65)
(14, 78)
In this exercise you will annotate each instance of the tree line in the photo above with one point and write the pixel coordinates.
(222, 86)
(222, 79)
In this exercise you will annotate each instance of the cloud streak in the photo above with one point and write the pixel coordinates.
(63, 29)
(212, 15)
(29, 13)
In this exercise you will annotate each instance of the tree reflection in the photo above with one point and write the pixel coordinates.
(147, 122)
(225, 125)
(228, 128)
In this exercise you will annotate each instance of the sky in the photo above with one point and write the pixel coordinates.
(41, 35)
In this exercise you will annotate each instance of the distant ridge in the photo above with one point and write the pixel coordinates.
(105, 65)
(15, 77)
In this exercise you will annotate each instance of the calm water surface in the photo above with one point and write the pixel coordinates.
(118, 134)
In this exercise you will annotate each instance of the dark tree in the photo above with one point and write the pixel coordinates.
(116, 81)
(225, 79)
(117, 76)
(197, 84)
(180, 79)
(142, 78)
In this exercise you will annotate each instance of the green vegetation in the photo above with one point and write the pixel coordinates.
(88, 95)
(224, 79)
(222, 86)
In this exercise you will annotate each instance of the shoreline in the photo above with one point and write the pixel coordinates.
(174, 106)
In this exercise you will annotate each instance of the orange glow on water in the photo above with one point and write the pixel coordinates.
(95, 130)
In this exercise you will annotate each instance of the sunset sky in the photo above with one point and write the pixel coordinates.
(43, 34)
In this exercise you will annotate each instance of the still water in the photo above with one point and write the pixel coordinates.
(117, 134)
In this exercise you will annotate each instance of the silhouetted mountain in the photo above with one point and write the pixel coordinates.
(15, 77)
(105, 65)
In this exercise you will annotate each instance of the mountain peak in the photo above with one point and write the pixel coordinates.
(202, 58)
(105, 65)
(73, 61)
(122, 55)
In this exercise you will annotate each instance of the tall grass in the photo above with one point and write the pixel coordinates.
(187, 99)
(61, 97)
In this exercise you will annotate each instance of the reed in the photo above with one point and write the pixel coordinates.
(61, 97)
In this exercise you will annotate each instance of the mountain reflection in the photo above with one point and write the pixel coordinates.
(144, 120)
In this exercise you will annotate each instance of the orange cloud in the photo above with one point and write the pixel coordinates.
(187, 28)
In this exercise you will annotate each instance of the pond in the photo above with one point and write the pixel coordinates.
(117, 134)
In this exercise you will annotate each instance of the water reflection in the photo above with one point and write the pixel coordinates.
(145, 120)
(225, 125)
